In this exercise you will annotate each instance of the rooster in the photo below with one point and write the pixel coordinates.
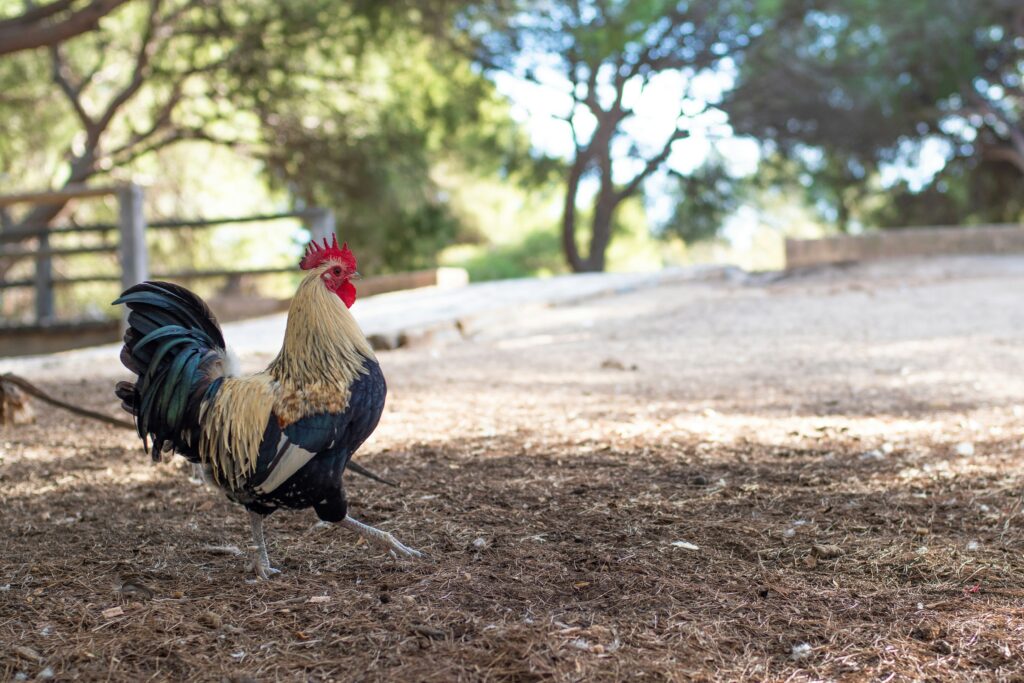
(280, 438)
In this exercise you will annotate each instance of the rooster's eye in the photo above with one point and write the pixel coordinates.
(337, 271)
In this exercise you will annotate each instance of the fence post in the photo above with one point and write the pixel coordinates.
(44, 281)
(134, 257)
(321, 223)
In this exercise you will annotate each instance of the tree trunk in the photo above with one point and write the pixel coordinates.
(600, 234)
(842, 215)
(604, 213)
(604, 205)
(569, 248)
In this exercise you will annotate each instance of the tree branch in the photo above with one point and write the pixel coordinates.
(61, 77)
(31, 30)
(591, 98)
(174, 137)
(1006, 154)
(128, 153)
(146, 49)
(101, 61)
(1013, 128)
(652, 165)
(161, 119)
(34, 14)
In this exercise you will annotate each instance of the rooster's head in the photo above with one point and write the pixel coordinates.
(335, 266)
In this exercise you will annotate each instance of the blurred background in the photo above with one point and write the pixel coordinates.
(510, 139)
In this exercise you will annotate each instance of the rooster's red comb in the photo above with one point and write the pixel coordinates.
(316, 255)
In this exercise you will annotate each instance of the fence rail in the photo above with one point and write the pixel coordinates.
(30, 231)
(57, 196)
(176, 275)
(131, 247)
(49, 252)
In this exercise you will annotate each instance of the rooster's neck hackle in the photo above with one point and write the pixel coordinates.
(324, 352)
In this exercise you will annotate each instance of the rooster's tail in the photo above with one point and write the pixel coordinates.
(176, 350)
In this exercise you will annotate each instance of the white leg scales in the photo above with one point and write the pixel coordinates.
(396, 547)
(260, 561)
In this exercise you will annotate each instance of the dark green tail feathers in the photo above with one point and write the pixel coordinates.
(176, 350)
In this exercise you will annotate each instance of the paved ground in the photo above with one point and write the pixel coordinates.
(811, 478)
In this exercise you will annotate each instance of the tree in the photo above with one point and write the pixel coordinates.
(373, 157)
(605, 53)
(52, 24)
(106, 107)
(322, 91)
(866, 83)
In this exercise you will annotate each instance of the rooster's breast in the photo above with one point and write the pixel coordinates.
(301, 464)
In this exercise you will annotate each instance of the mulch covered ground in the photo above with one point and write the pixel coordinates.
(584, 520)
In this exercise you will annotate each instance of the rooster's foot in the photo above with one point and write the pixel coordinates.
(263, 571)
(395, 547)
(260, 561)
(199, 476)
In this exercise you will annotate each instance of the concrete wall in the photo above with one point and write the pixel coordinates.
(906, 242)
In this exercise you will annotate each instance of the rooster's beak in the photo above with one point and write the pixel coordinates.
(355, 276)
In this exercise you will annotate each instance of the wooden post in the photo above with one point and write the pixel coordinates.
(134, 257)
(321, 223)
(44, 281)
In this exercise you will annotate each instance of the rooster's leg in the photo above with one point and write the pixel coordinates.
(199, 475)
(260, 561)
(368, 532)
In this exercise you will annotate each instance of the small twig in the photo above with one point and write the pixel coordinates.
(359, 469)
(33, 390)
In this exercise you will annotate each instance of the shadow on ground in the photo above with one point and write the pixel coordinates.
(569, 561)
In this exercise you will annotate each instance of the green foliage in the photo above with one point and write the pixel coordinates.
(964, 192)
(704, 199)
(841, 89)
(538, 253)
(415, 240)
(34, 126)
(855, 76)
(350, 105)
(372, 158)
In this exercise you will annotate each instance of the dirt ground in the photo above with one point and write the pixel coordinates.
(813, 478)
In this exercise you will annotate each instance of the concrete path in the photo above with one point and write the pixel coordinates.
(387, 317)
